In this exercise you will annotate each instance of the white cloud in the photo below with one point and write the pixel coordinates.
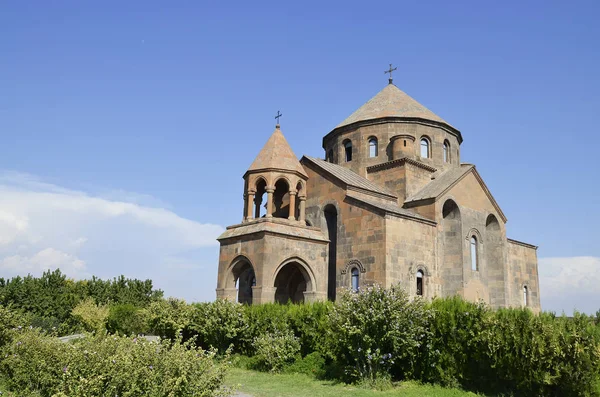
(44, 226)
(570, 283)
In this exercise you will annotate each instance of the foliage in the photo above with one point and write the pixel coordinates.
(50, 299)
(276, 350)
(312, 364)
(127, 319)
(458, 328)
(92, 316)
(379, 332)
(169, 317)
(108, 366)
(219, 325)
(8, 320)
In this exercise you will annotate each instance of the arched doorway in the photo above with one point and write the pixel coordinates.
(244, 279)
(331, 218)
(291, 282)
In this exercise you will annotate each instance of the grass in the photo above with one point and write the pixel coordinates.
(260, 384)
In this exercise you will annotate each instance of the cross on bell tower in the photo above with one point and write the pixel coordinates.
(390, 72)
(277, 118)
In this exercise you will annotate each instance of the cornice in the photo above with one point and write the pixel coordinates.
(526, 245)
(385, 120)
(398, 162)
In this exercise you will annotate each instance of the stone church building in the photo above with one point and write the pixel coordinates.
(390, 203)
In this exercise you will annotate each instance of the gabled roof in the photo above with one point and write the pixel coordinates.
(390, 208)
(277, 154)
(445, 181)
(349, 177)
(391, 102)
(442, 182)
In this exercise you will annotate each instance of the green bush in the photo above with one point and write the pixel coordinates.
(126, 319)
(312, 364)
(169, 317)
(92, 316)
(219, 324)
(109, 366)
(457, 340)
(380, 332)
(9, 320)
(276, 350)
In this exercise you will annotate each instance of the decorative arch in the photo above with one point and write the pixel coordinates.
(330, 219)
(354, 263)
(474, 232)
(452, 254)
(292, 280)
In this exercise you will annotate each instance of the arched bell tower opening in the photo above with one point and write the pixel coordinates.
(331, 218)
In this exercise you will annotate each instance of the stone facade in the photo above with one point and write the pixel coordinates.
(391, 203)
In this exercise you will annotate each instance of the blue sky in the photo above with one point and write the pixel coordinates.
(126, 126)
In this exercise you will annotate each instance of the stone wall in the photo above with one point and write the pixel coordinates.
(523, 271)
(384, 131)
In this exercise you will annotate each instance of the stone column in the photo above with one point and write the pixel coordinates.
(292, 216)
(302, 217)
(263, 295)
(245, 204)
(249, 202)
(270, 191)
(258, 203)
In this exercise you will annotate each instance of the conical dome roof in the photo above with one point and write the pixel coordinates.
(391, 102)
(277, 154)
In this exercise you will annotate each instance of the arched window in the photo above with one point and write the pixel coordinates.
(348, 150)
(474, 254)
(354, 274)
(373, 147)
(330, 155)
(420, 283)
(425, 148)
(525, 296)
(446, 152)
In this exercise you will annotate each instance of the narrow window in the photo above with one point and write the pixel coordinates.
(405, 143)
(424, 148)
(474, 264)
(525, 296)
(373, 147)
(446, 152)
(348, 149)
(354, 279)
(330, 155)
(420, 283)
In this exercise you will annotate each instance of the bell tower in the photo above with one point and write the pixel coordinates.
(275, 183)
(273, 255)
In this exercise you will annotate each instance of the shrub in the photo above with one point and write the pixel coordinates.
(9, 320)
(310, 323)
(219, 324)
(312, 364)
(169, 317)
(276, 350)
(92, 316)
(126, 319)
(378, 332)
(457, 330)
(109, 365)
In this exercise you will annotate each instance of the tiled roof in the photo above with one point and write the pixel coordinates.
(442, 182)
(277, 154)
(349, 177)
(388, 207)
(391, 102)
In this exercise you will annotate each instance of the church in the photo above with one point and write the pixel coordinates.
(390, 203)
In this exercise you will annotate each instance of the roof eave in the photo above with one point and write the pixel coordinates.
(392, 119)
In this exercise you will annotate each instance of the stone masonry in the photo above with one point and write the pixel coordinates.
(390, 203)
